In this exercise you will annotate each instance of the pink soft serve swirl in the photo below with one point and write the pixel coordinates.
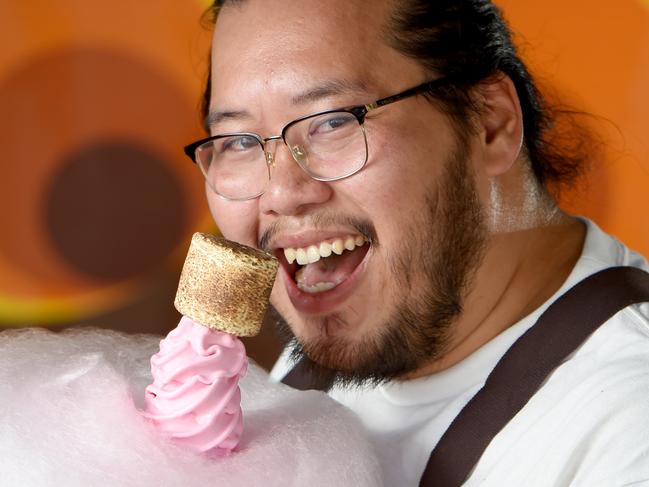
(195, 397)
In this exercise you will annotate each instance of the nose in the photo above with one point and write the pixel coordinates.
(291, 191)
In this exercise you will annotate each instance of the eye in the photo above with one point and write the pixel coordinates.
(238, 143)
(331, 123)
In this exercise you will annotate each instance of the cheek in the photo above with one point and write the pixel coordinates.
(386, 173)
(401, 172)
(236, 220)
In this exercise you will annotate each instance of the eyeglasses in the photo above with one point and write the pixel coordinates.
(328, 146)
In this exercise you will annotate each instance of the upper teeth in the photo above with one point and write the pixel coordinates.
(313, 253)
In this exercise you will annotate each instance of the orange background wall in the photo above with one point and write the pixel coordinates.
(596, 54)
(97, 201)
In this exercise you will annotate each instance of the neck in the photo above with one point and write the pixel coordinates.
(520, 271)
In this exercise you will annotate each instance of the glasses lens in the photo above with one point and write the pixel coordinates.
(234, 166)
(329, 146)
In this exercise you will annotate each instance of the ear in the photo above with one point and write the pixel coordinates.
(502, 125)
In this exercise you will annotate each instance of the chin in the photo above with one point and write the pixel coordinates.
(331, 340)
(352, 321)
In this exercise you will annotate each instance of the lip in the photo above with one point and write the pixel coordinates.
(324, 302)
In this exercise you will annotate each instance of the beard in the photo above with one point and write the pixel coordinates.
(434, 269)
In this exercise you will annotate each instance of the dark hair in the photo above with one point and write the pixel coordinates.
(470, 42)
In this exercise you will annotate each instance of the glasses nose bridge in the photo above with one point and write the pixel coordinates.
(269, 150)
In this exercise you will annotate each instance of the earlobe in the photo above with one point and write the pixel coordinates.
(502, 126)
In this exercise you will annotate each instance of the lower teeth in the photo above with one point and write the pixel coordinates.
(317, 288)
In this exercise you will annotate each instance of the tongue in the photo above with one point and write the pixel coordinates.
(334, 269)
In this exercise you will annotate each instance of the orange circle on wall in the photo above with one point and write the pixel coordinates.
(98, 101)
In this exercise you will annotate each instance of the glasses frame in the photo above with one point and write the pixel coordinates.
(359, 112)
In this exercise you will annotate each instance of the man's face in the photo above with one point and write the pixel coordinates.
(411, 214)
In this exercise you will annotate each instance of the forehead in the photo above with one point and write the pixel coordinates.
(282, 47)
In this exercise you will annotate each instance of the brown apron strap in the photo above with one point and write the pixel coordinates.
(560, 330)
(301, 378)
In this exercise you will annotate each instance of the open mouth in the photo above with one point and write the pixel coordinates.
(325, 265)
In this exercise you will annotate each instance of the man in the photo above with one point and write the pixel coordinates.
(416, 234)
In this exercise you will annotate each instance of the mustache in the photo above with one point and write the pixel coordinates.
(319, 221)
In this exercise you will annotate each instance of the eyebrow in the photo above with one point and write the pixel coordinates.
(323, 90)
(219, 116)
(329, 88)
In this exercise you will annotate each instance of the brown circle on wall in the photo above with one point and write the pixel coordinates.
(114, 210)
(82, 124)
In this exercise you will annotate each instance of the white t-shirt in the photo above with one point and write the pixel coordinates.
(587, 426)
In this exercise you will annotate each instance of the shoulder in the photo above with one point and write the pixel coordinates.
(588, 424)
(602, 251)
